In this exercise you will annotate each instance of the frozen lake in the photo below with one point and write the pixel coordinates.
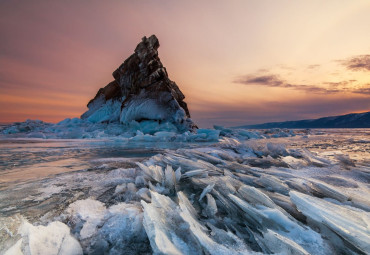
(26, 159)
(305, 193)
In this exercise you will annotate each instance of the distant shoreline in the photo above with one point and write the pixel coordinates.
(352, 120)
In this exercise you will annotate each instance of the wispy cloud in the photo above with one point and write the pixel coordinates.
(357, 63)
(313, 66)
(273, 80)
(267, 80)
(364, 90)
(339, 84)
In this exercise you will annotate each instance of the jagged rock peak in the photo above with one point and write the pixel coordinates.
(141, 91)
(147, 43)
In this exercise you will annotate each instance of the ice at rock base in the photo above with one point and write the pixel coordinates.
(148, 130)
(230, 197)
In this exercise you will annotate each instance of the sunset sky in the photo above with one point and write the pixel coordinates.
(237, 62)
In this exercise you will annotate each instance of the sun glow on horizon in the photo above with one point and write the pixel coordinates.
(241, 62)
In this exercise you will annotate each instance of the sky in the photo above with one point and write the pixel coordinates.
(237, 62)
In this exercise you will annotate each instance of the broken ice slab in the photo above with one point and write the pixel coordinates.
(272, 183)
(255, 196)
(103, 230)
(165, 228)
(352, 224)
(55, 238)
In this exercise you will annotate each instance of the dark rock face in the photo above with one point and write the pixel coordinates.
(143, 91)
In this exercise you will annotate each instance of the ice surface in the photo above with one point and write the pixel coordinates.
(94, 105)
(206, 190)
(246, 192)
(102, 123)
(351, 224)
(55, 238)
(145, 109)
(104, 230)
(166, 230)
(109, 112)
(90, 212)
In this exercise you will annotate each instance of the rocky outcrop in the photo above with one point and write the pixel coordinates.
(141, 91)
